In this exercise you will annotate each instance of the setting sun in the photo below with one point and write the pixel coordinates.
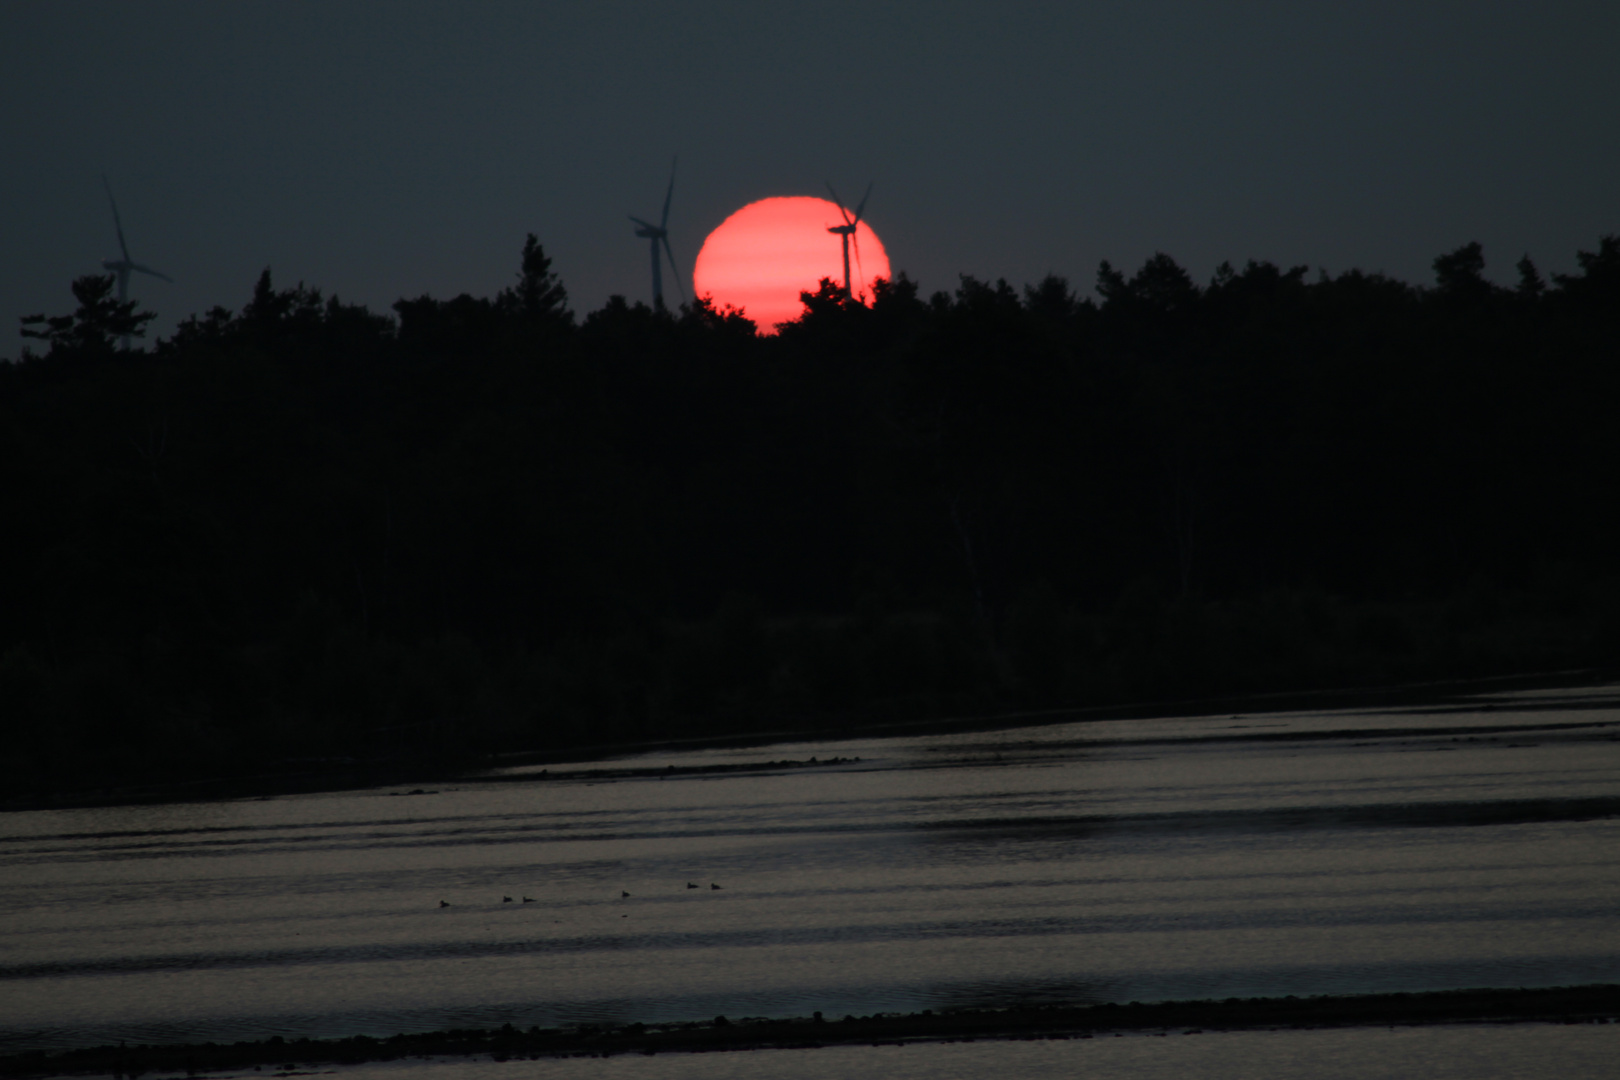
(763, 256)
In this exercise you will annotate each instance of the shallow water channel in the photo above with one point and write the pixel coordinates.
(1299, 853)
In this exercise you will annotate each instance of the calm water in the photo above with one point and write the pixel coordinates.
(1324, 852)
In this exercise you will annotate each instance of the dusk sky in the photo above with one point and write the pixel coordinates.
(388, 150)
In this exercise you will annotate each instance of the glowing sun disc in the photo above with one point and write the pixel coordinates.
(763, 256)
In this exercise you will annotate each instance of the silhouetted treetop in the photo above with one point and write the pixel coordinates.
(1161, 286)
(1531, 285)
(1462, 271)
(1051, 299)
(95, 326)
(728, 322)
(297, 323)
(539, 294)
(1599, 279)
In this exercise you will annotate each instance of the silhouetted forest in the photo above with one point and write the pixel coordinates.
(306, 530)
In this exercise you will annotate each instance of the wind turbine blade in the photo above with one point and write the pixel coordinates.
(670, 194)
(117, 224)
(638, 221)
(840, 203)
(862, 207)
(860, 271)
(154, 273)
(676, 270)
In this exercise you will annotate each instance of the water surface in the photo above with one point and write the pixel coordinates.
(1299, 853)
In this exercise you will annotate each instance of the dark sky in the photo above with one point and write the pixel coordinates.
(382, 150)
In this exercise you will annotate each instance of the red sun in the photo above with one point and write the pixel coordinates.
(762, 257)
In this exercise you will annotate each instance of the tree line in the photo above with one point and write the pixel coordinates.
(307, 530)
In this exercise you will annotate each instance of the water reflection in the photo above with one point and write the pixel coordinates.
(1181, 857)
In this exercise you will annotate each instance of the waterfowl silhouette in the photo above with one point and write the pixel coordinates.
(528, 899)
(623, 893)
(691, 884)
(506, 899)
(712, 885)
(444, 903)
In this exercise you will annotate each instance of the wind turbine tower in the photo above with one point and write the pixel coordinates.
(659, 234)
(123, 266)
(847, 230)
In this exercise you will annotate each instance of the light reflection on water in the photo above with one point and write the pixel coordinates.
(1329, 852)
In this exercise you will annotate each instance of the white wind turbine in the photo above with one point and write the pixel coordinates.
(123, 266)
(847, 230)
(659, 234)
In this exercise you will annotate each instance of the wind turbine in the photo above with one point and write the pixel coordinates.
(123, 266)
(659, 234)
(847, 230)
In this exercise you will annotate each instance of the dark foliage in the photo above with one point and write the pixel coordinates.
(98, 322)
(305, 530)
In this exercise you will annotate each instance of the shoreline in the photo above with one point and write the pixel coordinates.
(1599, 1003)
(360, 774)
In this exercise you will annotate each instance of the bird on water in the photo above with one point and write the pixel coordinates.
(444, 903)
